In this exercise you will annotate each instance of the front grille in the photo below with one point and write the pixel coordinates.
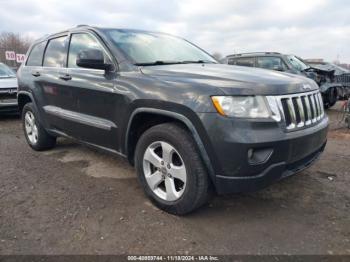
(343, 79)
(300, 110)
(8, 90)
(8, 94)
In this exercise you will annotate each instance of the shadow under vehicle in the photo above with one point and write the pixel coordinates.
(325, 78)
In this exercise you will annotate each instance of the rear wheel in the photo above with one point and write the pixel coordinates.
(35, 134)
(171, 170)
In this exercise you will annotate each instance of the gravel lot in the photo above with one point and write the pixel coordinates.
(76, 200)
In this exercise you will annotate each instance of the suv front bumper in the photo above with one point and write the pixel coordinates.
(271, 174)
(283, 153)
(8, 106)
(8, 100)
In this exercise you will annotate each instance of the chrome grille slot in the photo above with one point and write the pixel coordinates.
(287, 116)
(313, 109)
(300, 110)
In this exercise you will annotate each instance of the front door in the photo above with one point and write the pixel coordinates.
(97, 99)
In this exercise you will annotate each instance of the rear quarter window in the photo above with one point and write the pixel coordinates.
(36, 55)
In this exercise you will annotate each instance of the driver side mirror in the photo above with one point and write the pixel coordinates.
(92, 58)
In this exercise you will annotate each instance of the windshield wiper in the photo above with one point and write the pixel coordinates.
(197, 62)
(158, 62)
(307, 69)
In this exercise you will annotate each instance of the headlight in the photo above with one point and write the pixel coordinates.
(242, 106)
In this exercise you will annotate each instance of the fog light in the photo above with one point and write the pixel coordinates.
(258, 156)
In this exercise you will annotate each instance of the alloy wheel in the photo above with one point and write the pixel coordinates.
(31, 128)
(165, 171)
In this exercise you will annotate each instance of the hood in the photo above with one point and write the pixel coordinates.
(234, 80)
(320, 70)
(329, 68)
(321, 77)
(8, 82)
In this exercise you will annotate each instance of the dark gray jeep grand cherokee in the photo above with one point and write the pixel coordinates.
(187, 123)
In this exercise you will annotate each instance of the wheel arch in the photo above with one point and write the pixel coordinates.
(23, 98)
(159, 116)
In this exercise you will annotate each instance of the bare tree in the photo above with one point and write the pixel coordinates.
(10, 41)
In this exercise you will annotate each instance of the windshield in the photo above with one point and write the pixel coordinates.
(156, 48)
(5, 71)
(297, 63)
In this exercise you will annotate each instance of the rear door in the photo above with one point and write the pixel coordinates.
(58, 98)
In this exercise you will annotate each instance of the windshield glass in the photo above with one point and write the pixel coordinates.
(5, 71)
(149, 47)
(297, 63)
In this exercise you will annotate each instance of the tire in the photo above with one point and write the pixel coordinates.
(184, 196)
(35, 134)
(332, 97)
(347, 121)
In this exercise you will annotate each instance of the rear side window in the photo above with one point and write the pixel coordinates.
(55, 54)
(271, 62)
(36, 55)
(242, 61)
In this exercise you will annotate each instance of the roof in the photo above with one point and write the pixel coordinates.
(95, 28)
(254, 53)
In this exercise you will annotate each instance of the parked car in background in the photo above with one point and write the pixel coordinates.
(187, 123)
(294, 65)
(8, 90)
(341, 76)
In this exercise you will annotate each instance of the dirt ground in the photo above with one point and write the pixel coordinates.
(76, 200)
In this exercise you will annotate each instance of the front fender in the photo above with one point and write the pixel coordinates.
(190, 120)
(326, 86)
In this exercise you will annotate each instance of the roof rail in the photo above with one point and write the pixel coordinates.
(255, 53)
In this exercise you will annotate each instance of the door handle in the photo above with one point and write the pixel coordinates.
(66, 77)
(36, 74)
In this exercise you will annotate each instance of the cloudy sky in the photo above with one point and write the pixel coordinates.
(308, 28)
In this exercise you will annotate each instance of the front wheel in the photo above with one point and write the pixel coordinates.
(171, 170)
(331, 97)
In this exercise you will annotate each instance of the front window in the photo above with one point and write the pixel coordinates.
(152, 48)
(80, 42)
(5, 71)
(297, 63)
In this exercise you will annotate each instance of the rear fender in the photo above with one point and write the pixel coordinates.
(41, 117)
